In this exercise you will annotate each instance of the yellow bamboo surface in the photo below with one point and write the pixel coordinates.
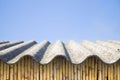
(60, 69)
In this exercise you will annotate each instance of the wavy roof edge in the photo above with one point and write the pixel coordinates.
(44, 52)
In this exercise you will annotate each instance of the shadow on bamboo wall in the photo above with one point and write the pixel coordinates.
(60, 69)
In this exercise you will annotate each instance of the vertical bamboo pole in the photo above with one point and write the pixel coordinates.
(90, 68)
(37, 70)
(31, 69)
(22, 65)
(92, 72)
(54, 64)
(58, 69)
(67, 70)
(95, 73)
(19, 70)
(28, 61)
(99, 70)
(83, 71)
(109, 72)
(78, 71)
(15, 71)
(60, 65)
(41, 72)
(11, 72)
(75, 72)
(26, 68)
(86, 69)
(105, 71)
(102, 71)
(51, 70)
(70, 71)
(63, 69)
(44, 72)
(114, 71)
(2, 70)
(48, 72)
(118, 70)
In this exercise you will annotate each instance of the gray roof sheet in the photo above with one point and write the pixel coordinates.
(44, 52)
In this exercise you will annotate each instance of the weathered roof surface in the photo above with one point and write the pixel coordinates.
(44, 52)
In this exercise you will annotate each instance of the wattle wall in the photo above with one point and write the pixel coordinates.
(60, 69)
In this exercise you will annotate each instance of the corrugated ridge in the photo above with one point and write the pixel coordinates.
(52, 51)
(36, 52)
(9, 53)
(2, 42)
(7, 45)
(44, 52)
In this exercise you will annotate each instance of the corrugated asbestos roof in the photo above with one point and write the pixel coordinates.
(44, 52)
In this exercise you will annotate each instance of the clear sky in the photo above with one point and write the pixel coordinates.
(59, 20)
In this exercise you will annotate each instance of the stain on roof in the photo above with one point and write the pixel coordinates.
(44, 52)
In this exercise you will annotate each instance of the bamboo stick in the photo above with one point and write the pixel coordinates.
(26, 68)
(41, 69)
(58, 69)
(67, 70)
(19, 70)
(114, 71)
(70, 71)
(78, 72)
(92, 72)
(35, 70)
(51, 70)
(95, 73)
(48, 72)
(63, 69)
(54, 64)
(15, 71)
(31, 69)
(87, 69)
(23, 74)
(99, 70)
(4, 68)
(83, 71)
(60, 65)
(28, 61)
(109, 72)
(105, 71)
(75, 72)
(11, 72)
(102, 71)
(0, 71)
(44, 72)
(118, 70)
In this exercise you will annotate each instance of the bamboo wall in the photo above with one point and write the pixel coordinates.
(59, 69)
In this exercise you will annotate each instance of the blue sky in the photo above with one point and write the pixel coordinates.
(59, 20)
